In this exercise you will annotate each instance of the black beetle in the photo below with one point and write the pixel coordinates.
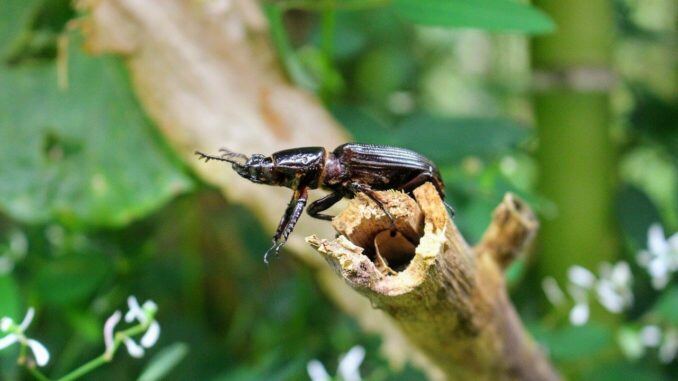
(349, 169)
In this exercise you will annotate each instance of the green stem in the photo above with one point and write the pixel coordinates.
(84, 369)
(98, 361)
(37, 374)
(103, 359)
(316, 6)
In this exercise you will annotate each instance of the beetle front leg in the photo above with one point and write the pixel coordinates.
(288, 220)
(320, 205)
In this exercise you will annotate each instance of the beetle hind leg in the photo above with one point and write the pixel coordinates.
(428, 177)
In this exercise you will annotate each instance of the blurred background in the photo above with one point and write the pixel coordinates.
(582, 123)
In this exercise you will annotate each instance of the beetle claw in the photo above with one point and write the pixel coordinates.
(275, 249)
(450, 208)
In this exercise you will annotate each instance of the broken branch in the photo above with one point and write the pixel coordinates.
(449, 299)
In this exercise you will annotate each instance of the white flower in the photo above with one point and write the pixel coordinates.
(151, 336)
(17, 335)
(614, 286)
(349, 365)
(612, 289)
(650, 336)
(348, 369)
(109, 333)
(552, 291)
(316, 370)
(661, 257)
(581, 276)
(134, 349)
(579, 314)
(144, 315)
(634, 343)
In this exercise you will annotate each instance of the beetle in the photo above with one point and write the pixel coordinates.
(349, 169)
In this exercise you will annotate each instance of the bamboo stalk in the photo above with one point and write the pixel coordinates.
(571, 103)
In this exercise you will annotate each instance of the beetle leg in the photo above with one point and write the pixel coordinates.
(288, 220)
(423, 178)
(323, 204)
(418, 180)
(369, 192)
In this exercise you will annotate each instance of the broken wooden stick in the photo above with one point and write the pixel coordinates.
(448, 298)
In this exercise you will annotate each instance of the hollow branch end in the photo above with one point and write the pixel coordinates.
(447, 298)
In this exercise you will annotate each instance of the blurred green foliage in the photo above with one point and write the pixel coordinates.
(95, 207)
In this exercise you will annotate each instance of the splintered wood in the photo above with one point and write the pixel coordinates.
(448, 298)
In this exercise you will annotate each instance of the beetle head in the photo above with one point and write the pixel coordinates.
(257, 169)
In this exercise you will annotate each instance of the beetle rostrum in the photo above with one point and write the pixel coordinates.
(347, 170)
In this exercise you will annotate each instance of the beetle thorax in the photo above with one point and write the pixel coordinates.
(334, 171)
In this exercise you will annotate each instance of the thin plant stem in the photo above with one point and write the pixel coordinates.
(105, 357)
(36, 373)
(86, 368)
(97, 361)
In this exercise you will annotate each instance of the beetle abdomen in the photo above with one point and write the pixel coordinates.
(383, 167)
(378, 156)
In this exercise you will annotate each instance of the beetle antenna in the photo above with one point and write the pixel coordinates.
(233, 157)
(227, 156)
(207, 157)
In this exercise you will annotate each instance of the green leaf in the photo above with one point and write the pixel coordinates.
(15, 16)
(295, 68)
(636, 213)
(575, 343)
(492, 15)
(449, 140)
(83, 154)
(9, 298)
(623, 370)
(71, 278)
(364, 126)
(667, 306)
(443, 140)
(164, 361)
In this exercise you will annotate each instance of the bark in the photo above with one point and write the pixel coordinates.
(206, 74)
(448, 298)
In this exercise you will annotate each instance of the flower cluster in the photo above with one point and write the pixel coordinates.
(634, 343)
(348, 369)
(661, 257)
(17, 335)
(612, 288)
(144, 316)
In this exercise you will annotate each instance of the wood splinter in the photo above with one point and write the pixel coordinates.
(449, 299)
